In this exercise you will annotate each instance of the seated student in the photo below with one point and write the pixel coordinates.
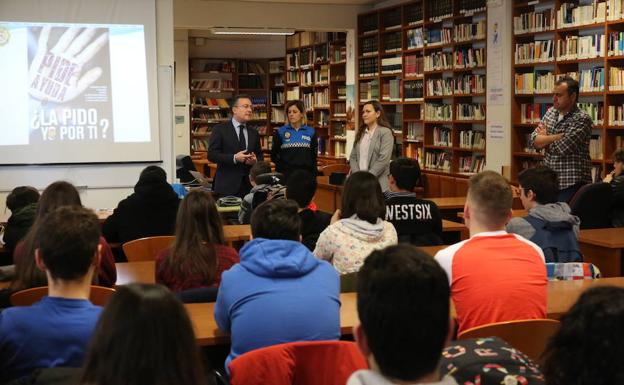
(588, 347)
(403, 307)
(301, 187)
(149, 211)
(549, 223)
(244, 215)
(358, 228)
(27, 274)
(56, 330)
(278, 292)
(495, 276)
(144, 336)
(417, 221)
(22, 202)
(616, 179)
(198, 255)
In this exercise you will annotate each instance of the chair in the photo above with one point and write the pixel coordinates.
(99, 295)
(593, 204)
(301, 363)
(199, 295)
(572, 271)
(146, 249)
(528, 336)
(348, 282)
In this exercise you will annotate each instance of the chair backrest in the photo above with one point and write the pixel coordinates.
(199, 295)
(332, 168)
(571, 271)
(301, 363)
(593, 203)
(99, 295)
(146, 249)
(528, 336)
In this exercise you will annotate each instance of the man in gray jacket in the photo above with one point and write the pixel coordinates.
(549, 224)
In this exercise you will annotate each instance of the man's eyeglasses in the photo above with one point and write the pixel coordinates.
(244, 106)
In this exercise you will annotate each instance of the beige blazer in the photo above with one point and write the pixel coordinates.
(379, 155)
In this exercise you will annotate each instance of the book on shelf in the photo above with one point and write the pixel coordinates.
(368, 67)
(339, 54)
(292, 60)
(266, 142)
(391, 90)
(438, 160)
(470, 111)
(292, 93)
(615, 9)
(469, 31)
(306, 78)
(305, 57)
(202, 115)
(439, 9)
(471, 164)
(292, 41)
(573, 15)
(414, 152)
(415, 38)
(534, 21)
(277, 97)
(212, 65)
(414, 65)
(412, 90)
(440, 87)
(415, 131)
(595, 147)
(250, 67)
(615, 46)
(369, 90)
(592, 80)
(199, 144)
(538, 51)
(292, 77)
(533, 112)
(441, 136)
(438, 112)
(322, 118)
(468, 7)
(215, 85)
(437, 61)
(472, 139)
(596, 173)
(391, 65)
(392, 42)
(201, 129)
(368, 23)
(276, 66)
(616, 115)
(278, 80)
(308, 100)
(210, 103)
(469, 84)
(414, 14)
(321, 75)
(369, 46)
(339, 109)
(250, 81)
(469, 57)
(581, 47)
(321, 53)
(277, 115)
(322, 145)
(321, 98)
(340, 149)
(341, 92)
(595, 110)
(438, 36)
(616, 79)
(306, 38)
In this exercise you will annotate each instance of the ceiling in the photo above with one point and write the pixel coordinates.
(207, 33)
(333, 2)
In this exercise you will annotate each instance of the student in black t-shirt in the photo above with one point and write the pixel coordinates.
(301, 187)
(417, 221)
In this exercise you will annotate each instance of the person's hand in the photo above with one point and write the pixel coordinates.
(335, 217)
(609, 177)
(515, 191)
(541, 129)
(251, 159)
(241, 156)
(63, 64)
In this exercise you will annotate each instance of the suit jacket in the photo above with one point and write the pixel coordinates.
(222, 146)
(379, 155)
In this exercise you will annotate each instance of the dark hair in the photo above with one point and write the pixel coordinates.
(406, 173)
(27, 274)
(21, 196)
(300, 106)
(403, 306)
(543, 181)
(362, 196)
(198, 229)
(491, 194)
(588, 348)
(152, 174)
(258, 169)
(143, 336)
(381, 121)
(68, 238)
(276, 219)
(573, 85)
(234, 100)
(618, 155)
(301, 187)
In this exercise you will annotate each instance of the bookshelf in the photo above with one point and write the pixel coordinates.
(213, 82)
(315, 72)
(424, 60)
(582, 39)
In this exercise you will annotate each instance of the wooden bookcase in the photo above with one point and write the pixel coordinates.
(533, 78)
(419, 59)
(315, 73)
(212, 83)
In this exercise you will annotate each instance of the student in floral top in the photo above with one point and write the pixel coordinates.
(359, 228)
(198, 255)
(565, 132)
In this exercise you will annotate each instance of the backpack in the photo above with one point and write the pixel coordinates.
(557, 240)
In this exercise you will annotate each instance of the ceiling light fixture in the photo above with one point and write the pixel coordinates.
(252, 31)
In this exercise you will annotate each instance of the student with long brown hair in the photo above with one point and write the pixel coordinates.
(27, 274)
(198, 255)
(374, 143)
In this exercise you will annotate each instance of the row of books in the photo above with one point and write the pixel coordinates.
(368, 67)
(369, 46)
(266, 142)
(391, 65)
(212, 65)
(339, 109)
(277, 97)
(212, 85)
(321, 98)
(439, 36)
(472, 139)
(321, 53)
(413, 90)
(339, 130)
(292, 60)
(533, 112)
(534, 21)
(469, 57)
(292, 76)
(414, 13)
(415, 38)
(581, 47)
(595, 147)
(306, 78)
(538, 51)
(469, 31)
(276, 66)
(392, 42)
(615, 46)
(536, 82)
(200, 101)
(322, 118)
(440, 9)
(278, 80)
(438, 61)
(442, 136)
(469, 84)
(616, 9)
(528, 147)
(415, 131)
(201, 129)
(616, 115)
(341, 92)
(413, 151)
(467, 7)
(438, 112)
(199, 144)
(572, 15)
(471, 164)
(277, 115)
(438, 160)
(339, 54)
(391, 18)
(440, 87)
(470, 111)
(391, 90)
(368, 23)
(592, 80)
(210, 116)
(250, 67)
(340, 149)
(308, 38)
(305, 57)
(616, 79)
(321, 74)
(369, 90)
(595, 110)
(249, 81)
(292, 93)
(414, 65)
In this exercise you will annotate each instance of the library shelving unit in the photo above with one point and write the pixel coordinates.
(213, 81)
(425, 62)
(315, 73)
(276, 89)
(581, 39)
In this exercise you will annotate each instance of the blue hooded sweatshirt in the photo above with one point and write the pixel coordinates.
(278, 293)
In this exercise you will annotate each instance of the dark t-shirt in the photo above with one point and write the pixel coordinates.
(312, 225)
(417, 221)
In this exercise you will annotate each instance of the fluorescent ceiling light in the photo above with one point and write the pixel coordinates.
(252, 31)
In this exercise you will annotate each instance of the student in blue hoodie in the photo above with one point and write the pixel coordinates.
(279, 292)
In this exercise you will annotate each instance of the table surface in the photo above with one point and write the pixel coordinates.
(612, 238)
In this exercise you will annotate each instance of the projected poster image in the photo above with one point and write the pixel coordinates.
(75, 93)
(69, 84)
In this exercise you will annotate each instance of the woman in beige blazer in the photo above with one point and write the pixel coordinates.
(374, 143)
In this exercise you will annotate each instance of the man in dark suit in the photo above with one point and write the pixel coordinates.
(234, 147)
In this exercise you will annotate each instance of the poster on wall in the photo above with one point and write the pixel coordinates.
(496, 26)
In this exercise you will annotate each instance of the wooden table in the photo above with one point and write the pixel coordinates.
(561, 296)
(514, 213)
(450, 226)
(603, 248)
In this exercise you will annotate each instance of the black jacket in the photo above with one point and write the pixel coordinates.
(617, 184)
(18, 225)
(151, 210)
(417, 221)
(312, 225)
